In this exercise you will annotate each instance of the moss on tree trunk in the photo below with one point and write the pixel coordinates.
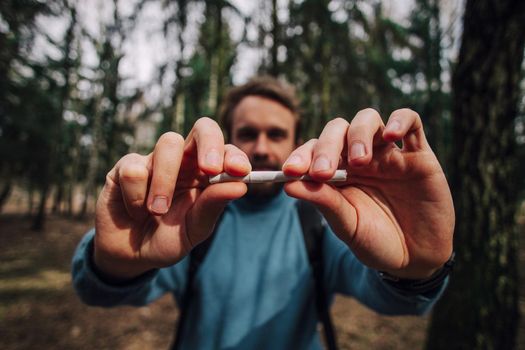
(480, 308)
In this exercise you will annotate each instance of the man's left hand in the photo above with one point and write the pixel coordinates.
(395, 211)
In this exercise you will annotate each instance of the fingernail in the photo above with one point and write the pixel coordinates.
(294, 160)
(393, 126)
(160, 205)
(321, 164)
(357, 150)
(213, 158)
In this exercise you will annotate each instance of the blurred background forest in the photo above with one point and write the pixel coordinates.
(84, 82)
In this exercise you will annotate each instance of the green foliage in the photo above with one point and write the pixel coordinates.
(202, 80)
(342, 57)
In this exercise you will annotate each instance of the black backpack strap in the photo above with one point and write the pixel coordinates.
(313, 231)
(197, 256)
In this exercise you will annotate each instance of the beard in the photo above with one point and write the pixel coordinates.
(267, 190)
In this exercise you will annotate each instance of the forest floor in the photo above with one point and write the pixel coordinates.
(39, 309)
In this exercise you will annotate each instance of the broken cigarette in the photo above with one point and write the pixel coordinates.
(271, 176)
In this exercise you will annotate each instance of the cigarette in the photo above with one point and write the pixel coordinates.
(256, 177)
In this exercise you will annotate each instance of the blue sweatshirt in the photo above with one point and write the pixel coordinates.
(255, 287)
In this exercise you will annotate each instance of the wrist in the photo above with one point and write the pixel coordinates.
(420, 285)
(413, 274)
(113, 270)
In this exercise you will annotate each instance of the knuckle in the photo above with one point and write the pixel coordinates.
(207, 129)
(205, 122)
(404, 113)
(358, 129)
(327, 145)
(110, 180)
(339, 121)
(130, 158)
(312, 141)
(367, 116)
(133, 172)
(306, 146)
(207, 135)
(372, 112)
(171, 138)
(137, 202)
(232, 149)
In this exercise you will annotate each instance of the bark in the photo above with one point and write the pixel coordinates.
(93, 165)
(480, 308)
(30, 196)
(4, 193)
(71, 175)
(434, 109)
(180, 105)
(58, 198)
(274, 68)
(216, 61)
(40, 217)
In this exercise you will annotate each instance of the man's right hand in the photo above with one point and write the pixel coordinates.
(154, 209)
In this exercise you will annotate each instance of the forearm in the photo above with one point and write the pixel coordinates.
(371, 290)
(347, 275)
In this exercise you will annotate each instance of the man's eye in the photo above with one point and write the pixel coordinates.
(246, 134)
(277, 134)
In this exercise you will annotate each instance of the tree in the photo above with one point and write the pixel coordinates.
(430, 101)
(16, 38)
(209, 68)
(107, 131)
(176, 21)
(319, 51)
(480, 308)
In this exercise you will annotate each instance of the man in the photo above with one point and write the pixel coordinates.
(389, 223)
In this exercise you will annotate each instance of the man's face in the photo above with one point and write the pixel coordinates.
(265, 131)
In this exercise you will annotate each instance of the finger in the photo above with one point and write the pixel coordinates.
(133, 174)
(405, 124)
(361, 136)
(236, 162)
(339, 213)
(328, 148)
(208, 207)
(205, 142)
(166, 159)
(299, 160)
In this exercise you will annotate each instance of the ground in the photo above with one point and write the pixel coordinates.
(39, 310)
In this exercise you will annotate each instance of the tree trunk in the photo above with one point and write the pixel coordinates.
(274, 68)
(69, 199)
(93, 165)
(480, 308)
(30, 196)
(178, 121)
(216, 60)
(71, 175)
(58, 198)
(434, 107)
(4, 193)
(40, 217)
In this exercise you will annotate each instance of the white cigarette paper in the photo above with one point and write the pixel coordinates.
(255, 177)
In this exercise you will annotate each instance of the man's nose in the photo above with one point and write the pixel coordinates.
(261, 145)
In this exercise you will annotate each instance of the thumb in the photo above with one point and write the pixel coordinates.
(338, 212)
(208, 207)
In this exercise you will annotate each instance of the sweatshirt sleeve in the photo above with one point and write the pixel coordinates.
(142, 290)
(345, 274)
